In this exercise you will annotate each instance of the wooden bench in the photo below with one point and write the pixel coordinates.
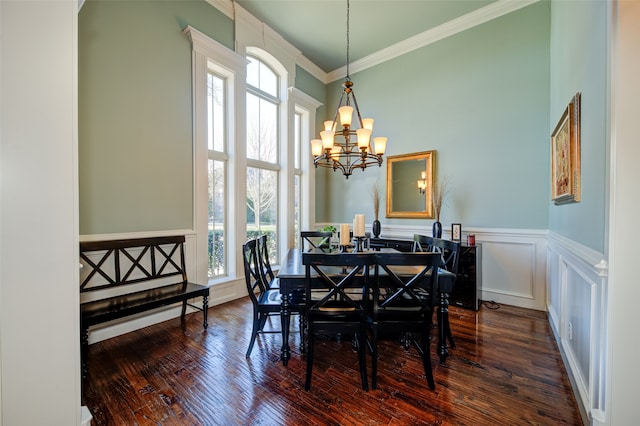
(120, 278)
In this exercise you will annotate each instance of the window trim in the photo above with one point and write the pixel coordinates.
(209, 54)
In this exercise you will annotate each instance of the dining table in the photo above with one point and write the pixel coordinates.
(291, 277)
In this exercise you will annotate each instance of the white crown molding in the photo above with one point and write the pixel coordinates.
(224, 6)
(298, 96)
(306, 64)
(455, 26)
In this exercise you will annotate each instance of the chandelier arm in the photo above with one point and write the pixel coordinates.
(335, 116)
(355, 103)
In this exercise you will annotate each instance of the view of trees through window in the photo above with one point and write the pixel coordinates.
(262, 153)
(216, 235)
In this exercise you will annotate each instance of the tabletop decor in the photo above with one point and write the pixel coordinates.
(439, 193)
(565, 155)
(456, 231)
(375, 194)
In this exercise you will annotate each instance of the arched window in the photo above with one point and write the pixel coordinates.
(263, 152)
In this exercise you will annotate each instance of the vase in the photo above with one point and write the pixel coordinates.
(376, 228)
(437, 229)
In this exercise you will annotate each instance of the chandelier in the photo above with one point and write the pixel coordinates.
(343, 147)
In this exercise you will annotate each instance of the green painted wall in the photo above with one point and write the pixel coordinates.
(579, 64)
(481, 100)
(135, 112)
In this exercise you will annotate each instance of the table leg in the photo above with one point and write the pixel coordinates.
(443, 316)
(285, 317)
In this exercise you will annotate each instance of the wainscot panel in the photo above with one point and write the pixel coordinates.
(577, 279)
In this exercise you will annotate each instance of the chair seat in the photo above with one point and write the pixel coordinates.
(270, 297)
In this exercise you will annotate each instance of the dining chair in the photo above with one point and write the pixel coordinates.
(266, 301)
(310, 240)
(332, 307)
(447, 273)
(401, 293)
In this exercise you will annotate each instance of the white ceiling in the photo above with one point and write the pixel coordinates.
(318, 27)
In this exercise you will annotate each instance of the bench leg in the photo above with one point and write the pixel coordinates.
(184, 309)
(84, 349)
(205, 308)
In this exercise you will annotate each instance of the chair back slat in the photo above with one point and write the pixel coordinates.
(450, 250)
(330, 280)
(253, 279)
(310, 240)
(405, 281)
(265, 265)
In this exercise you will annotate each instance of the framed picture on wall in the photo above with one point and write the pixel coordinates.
(456, 231)
(565, 155)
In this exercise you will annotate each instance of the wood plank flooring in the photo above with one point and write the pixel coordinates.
(505, 370)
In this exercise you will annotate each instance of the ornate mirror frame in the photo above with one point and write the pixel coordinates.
(404, 198)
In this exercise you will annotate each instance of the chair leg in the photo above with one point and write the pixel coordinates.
(426, 359)
(311, 337)
(448, 331)
(254, 332)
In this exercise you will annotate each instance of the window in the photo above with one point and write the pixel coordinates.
(297, 178)
(263, 164)
(218, 94)
(216, 161)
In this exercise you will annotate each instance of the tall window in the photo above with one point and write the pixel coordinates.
(262, 152)
(217, 159)
(297, 178)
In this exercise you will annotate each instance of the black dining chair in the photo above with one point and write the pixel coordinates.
(401, 302)
(332, 307)
(266, 301)
(310, 240)
(448, 272)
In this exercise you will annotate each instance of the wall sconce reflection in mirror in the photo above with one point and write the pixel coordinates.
(402, 170)
(422, 183)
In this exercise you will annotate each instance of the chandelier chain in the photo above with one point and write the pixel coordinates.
(348, 77)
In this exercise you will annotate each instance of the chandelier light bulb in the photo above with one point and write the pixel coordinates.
(327, 139)
(380, 144)
(346, 114)
(316, 147)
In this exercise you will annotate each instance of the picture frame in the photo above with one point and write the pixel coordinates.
(456, 231)
(565, 155)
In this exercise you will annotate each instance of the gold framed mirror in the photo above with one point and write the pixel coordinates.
(410, 185)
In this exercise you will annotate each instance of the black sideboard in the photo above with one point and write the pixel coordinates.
(467, 292)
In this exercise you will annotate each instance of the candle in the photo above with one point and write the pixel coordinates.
(358, 227)
(344, 234)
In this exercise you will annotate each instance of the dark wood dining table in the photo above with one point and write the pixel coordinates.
(292, 277)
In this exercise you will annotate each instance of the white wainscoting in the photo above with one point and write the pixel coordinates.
(513, 262)
(577, 306)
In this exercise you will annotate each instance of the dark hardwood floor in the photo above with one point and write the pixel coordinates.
(505, 370)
